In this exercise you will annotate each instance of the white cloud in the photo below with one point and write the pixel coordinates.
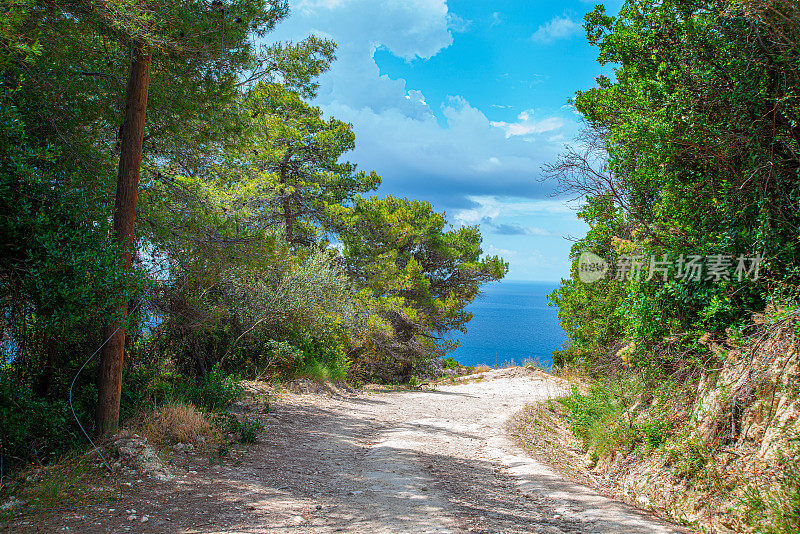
(410, 29)
(397, 134)
(495, 19)
(458, 24)
(492, 250)
(527, 125)
(419, 156)
(558, 28)
(572, 109)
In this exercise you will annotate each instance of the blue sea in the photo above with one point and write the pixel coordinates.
(511, 323)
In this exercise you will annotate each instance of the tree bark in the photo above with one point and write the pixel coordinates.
(131, 140)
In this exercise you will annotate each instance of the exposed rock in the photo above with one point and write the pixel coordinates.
(745, 412)
(135, 454)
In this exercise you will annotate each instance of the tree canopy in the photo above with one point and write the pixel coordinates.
(257, 249)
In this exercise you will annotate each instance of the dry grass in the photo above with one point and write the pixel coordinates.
(482, 368)
(176, 422)
(77, 479)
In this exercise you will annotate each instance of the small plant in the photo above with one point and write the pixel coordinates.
(690, 457)
(655, 432)
(246, 430)
(587, 411)
(249, 430)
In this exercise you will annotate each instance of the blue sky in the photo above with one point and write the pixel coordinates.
(460, 103)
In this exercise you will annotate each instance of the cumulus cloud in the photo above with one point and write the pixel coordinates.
(560, 27)
(440, 160)
(467, 155)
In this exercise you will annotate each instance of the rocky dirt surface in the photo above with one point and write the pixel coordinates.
(430, 460)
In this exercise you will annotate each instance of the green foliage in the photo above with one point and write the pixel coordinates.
(449, 363)
(691, 149)
(418, 274)
(244, 187)
(655, 432)
(249, 430)
(36, 429)
(600, 421)
(689, 456)
(213, 392)
(298, 153)
(245, 430)
(588, 412)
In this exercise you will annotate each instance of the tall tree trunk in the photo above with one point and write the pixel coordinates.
(131, 140)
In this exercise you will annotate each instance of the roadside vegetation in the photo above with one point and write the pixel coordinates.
(692, 148)
(257, 250)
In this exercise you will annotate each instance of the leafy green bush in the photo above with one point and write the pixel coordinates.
(655, 432)
(689, 456)
(450, 363)
(599, 420)
(245, 430)
(36, 429)
(211, 393)
(588, 411)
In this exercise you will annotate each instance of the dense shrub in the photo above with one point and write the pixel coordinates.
(599, 419)
(211, 393)
(36, 429)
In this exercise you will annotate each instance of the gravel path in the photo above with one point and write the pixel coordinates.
(404, 462)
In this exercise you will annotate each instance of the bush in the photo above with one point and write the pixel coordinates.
(36, 429)
(450, 363)
(689, 456)
(245, 430)
(599, 420)
(249, 429)
(655, 432)
(211, 393)
(589, 411)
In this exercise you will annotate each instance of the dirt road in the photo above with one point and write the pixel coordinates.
(404, 462)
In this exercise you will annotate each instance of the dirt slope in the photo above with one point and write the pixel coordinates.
(403, 462)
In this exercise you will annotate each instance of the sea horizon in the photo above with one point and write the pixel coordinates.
(511, 324)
